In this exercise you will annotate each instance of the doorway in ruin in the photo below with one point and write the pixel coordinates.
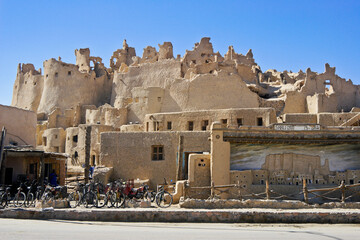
(8, 176)
(185, 164)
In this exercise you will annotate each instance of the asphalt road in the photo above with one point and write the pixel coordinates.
(56, 229)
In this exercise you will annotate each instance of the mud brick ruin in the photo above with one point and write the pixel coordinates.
(188, 118)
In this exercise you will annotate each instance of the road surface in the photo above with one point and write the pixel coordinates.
(68, 230)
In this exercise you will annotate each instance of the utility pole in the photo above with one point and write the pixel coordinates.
(87, 152)
(2, 143)
(179, 170)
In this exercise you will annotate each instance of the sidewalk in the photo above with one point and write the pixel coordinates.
(253, 215)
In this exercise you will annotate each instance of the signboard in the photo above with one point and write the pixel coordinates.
(293, 127)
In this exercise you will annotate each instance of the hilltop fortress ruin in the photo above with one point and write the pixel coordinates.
(158, 83)
(150, 116)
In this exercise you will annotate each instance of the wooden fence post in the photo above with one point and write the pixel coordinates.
(305, 190)
(342, 187)
(267, 190)
(212, 189)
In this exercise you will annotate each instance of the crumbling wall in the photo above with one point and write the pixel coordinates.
(76, 143)
(83, 59)
(320, 102)
(150, 55)
(340, 93)
(122, 56)
(65, 87)
(166, 51)
(54, 140)
(28, 87)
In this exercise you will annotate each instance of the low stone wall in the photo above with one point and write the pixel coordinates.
(271, 204)
(187, 215)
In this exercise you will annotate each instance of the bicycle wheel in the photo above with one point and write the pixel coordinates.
(48, 197)
(3, 200)
(73, 199)
(120, 200)
(150, 196)
(89, 199)
(100, 200)
(29, 199)
(164, 199)
(19, 199)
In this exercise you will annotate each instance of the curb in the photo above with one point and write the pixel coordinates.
(194, 216)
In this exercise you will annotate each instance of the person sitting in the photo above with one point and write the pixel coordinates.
(53, 179)
(91, 171)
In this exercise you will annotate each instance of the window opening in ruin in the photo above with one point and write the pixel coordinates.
(193, 61)
(262, 182)
(56, 136)
(156, 126)
(34, 83)
(93, 160)
(259, 121)
(76, 154)
(69, 73)
(224, 121)
(328, 87)
(157, 153)
(56, 74)
(351, 181)
(147, 126)
(47, 75)
(190, 125)
(169, 125)
(44, 141)
(75, 138)
(239, 122)
(204, 125)
(199, 164)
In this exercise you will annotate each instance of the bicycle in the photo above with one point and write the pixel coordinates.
(84, 195)
(163, 198)
(5, 198)
(19, 198)
(31, 197)
(117, 198)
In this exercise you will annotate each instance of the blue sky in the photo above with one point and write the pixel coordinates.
(284, 35)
